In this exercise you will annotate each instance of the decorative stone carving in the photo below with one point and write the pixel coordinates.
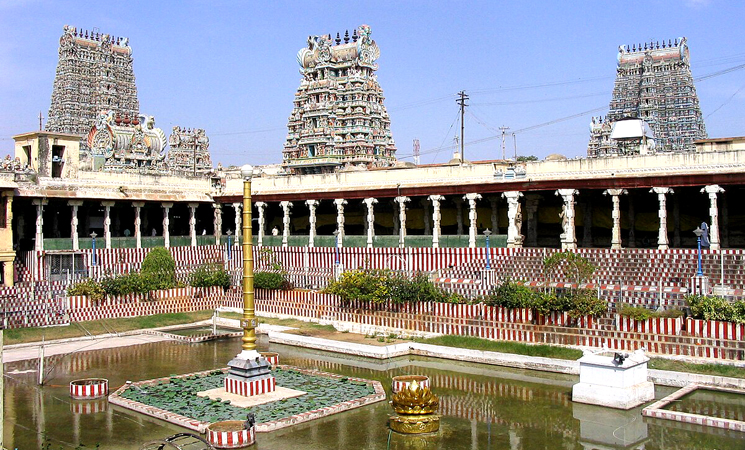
(107, 222)
(514, 238)
(339, 120)
(531, 209)
(94, 74)
(217, 221)
(568, 237)
(126, 145)
(189, 151)
(138, 223)
(75, 204)
(260, 207)
(167, 223)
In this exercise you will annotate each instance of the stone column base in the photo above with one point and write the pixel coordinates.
(613, 397)
(250, 388)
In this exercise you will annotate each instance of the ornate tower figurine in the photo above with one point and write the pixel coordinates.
(654, 84)
(339, 119)
(94, 74)
(189, 151)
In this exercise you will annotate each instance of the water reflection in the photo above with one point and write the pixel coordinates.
(483, 407)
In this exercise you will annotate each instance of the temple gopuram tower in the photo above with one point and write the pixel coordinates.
(189, 151)
(339, 119)
(94, 75)
(654, 84)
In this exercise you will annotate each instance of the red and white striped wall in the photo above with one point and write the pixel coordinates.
(239, 438)
(250, 388)
(271, 357)
(89, 388)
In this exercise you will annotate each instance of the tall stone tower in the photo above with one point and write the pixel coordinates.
(654, 84)
(94, 75)
(189, 151)
(339, 119)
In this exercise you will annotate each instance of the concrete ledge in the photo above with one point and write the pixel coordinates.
(657, 410)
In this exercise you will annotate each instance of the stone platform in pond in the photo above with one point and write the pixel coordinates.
(177, 400)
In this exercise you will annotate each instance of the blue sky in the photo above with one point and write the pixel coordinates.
(229, 67)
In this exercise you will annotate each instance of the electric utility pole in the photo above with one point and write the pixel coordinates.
(461, 101)
(504, 129)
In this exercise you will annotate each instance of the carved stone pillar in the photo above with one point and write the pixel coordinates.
(238, 224)
(615, 240)
(193, 223)
(217, 221)
(531, 211)
(340, 202)
(107, 222)
(426, 217)
(662, 240)
(167, 223)
(494, 202)
(514, 238)
(285, 221)
(459, 214)
(713, 190)
(75, 204)
(312, 221)
(138, 223)
(436, 217)
(39, 238)
(568, 237)
(260, 206)
(402, 219)
(472, 216)
(369, 202)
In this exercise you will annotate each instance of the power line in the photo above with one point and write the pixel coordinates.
(462, 103)
(726, 101)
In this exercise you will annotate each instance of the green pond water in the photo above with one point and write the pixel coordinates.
(482, 407)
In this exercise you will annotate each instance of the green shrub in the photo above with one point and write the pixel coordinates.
(418, 288)
(511, 294)
(159, 268)
(642, 313)
(716, 308)
(269, 280)
(88, 287)
(210, 274)
(546, 302)
(364, 285)
(585, 303)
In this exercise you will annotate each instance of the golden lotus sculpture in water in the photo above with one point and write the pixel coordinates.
(416, 406)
